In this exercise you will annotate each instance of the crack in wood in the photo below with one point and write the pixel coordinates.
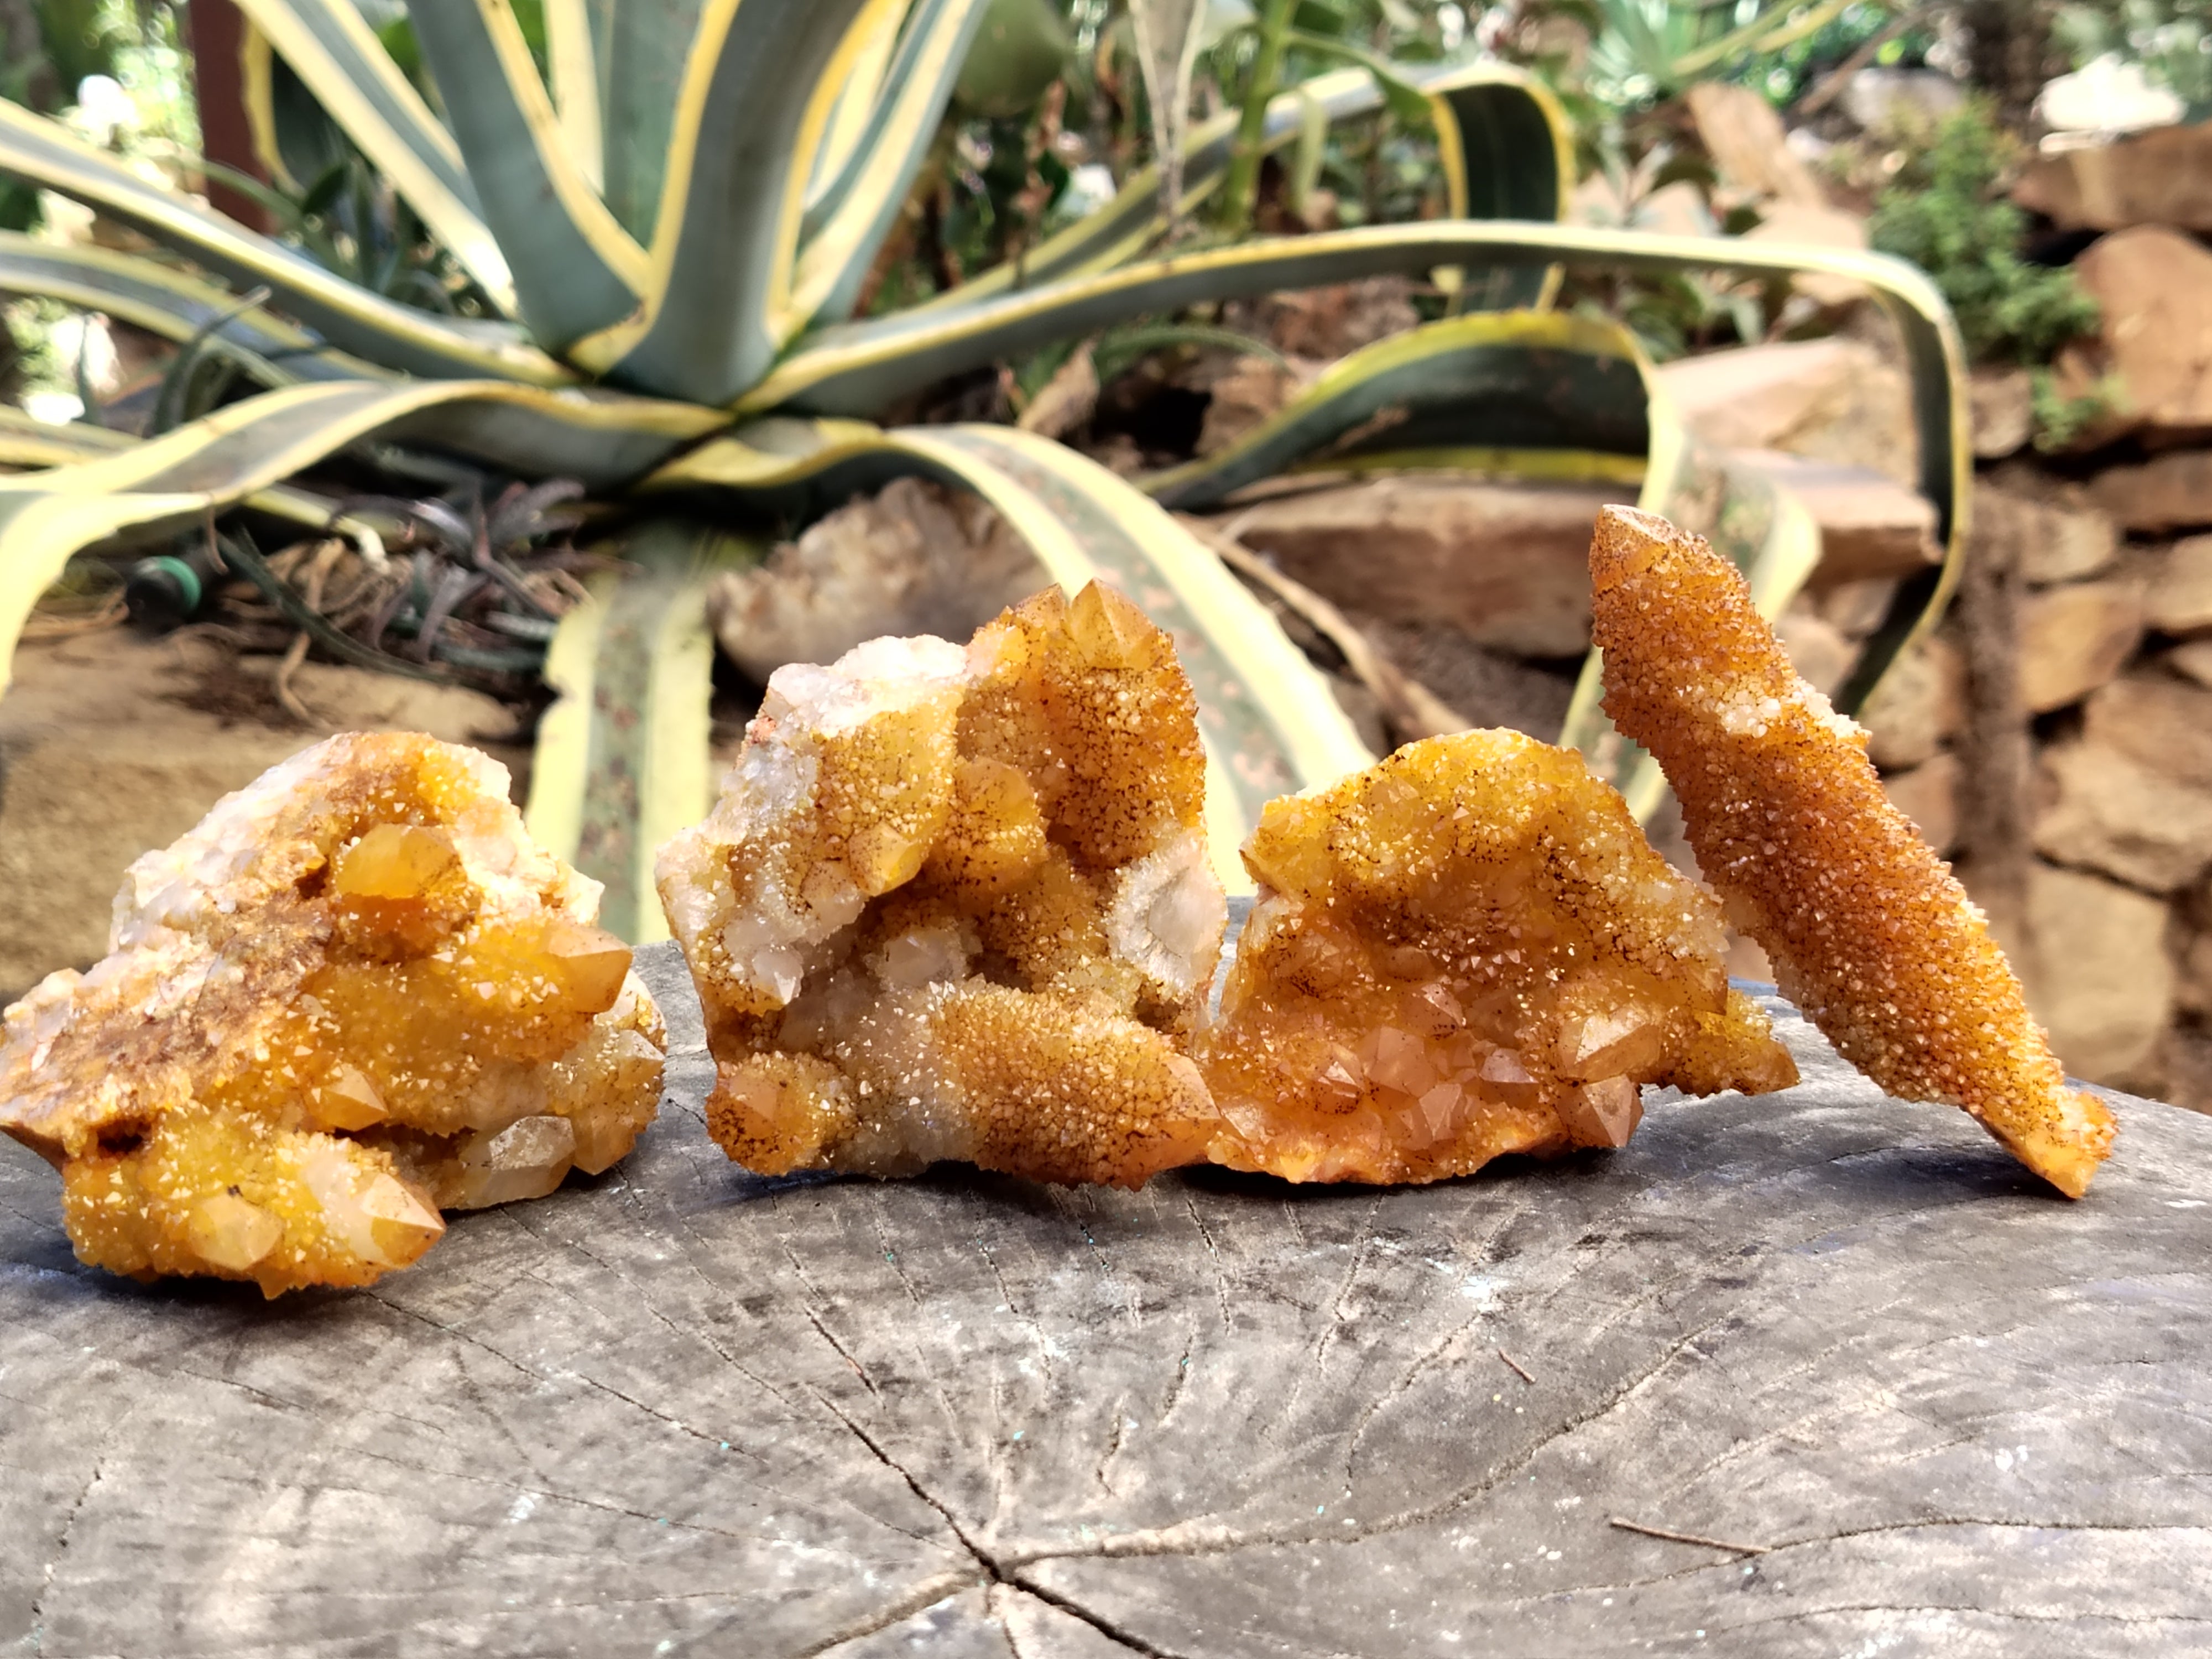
(1802, 1615)
(371, 1293)
(1317, 1356)
(597, 1386)
(1141, 1544)
(1214, 1257)
(1901, 1334)
(1064, 1201)
(61, 1539)
(918, 1600)
(1178, 1382)
(643, 1299)
(1012, 1302)
(1106, 1628)
(860, 1370)
(994, 1572)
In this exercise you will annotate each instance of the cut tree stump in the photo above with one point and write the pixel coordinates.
(679, 1409)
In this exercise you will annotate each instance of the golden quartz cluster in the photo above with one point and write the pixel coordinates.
(1467, 950)
(954, 902)
(355, 995)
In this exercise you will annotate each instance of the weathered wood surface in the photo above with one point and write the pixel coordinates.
(681, 1410)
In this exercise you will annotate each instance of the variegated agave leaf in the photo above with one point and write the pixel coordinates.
(622, 760)
(331, 46)
(241, 452)
(687, 188)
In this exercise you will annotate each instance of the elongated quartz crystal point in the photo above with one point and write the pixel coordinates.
(355, 994)
(1870, 932)
(955, 904)
(1468, 950)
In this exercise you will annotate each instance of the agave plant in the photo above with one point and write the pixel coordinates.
(672, 219)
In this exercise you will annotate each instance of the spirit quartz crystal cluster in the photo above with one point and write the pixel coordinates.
(355, 995)
(955, 904)
(1466, 951)
(1870, 932)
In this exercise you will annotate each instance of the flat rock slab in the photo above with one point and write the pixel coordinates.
(679, 1409)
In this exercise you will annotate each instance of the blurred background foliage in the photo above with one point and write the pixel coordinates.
(1942, 210)
(1051, 118)
(2171, 38)
(119, 63)
(1020, 160)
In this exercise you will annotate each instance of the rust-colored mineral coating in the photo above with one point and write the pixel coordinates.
(1869, 932)
(1465, 951)
(354, 995)
(955, 903)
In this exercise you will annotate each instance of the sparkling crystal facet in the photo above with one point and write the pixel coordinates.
(1869, 931)
(955, 904)
(1468, 950)
(354, 993)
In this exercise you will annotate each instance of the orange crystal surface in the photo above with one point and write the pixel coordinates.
(354, 995)
(1468, 950)
(1869, 932)
(955, 903)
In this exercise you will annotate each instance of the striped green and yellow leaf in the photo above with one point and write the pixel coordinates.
(46, 154)
(240, 452)
(868, 172)
(29, 444)
(717, 306)
(331, 46)
(1506, 148)
(575, 268)
(622, 759)
(177, 306)
(1517, 393)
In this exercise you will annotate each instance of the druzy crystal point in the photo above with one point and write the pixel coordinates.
(355, 995)
(955, 903)
(1468, 950)
(1870, 932)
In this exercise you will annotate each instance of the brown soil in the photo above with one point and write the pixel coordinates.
(111, 743)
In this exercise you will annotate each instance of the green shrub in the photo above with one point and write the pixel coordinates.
(1944, 212)
(2059, 419)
